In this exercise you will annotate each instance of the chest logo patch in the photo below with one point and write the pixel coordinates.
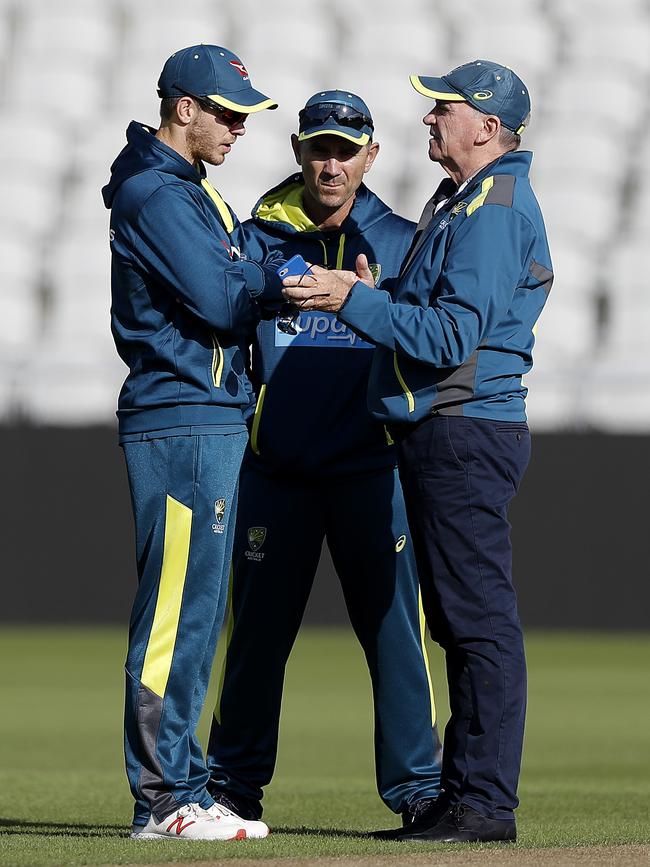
(375, 270)
(256, 537)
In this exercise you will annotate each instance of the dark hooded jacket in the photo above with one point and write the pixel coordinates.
(184, 299)
(311, 415)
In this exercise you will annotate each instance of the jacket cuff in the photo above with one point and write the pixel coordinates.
(360, 299)
(262, 282)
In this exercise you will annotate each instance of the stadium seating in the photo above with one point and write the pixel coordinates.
(75, 72)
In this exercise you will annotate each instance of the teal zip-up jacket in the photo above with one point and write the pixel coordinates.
(311, 415)
(456, 335)
(183, 299)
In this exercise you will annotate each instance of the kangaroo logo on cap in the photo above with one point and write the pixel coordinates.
(241, 69)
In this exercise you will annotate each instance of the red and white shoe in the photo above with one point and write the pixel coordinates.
(255, 830)
(192, 822)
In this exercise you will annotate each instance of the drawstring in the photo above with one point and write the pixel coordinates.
(339, 254)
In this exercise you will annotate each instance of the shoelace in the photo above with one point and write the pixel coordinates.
(420, 806)
(457, 811)
(225, 811)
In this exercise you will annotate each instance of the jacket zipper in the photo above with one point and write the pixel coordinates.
(217, 361)
(257, 418)
(410, 400)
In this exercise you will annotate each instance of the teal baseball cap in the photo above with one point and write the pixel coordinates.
(336, 112)
(214, 73)
(489, 87)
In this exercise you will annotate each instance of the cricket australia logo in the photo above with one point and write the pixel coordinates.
(458, 208)
(256, 538)
(219, 513)
(375, 270)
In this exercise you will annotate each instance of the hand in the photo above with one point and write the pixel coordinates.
(326, 290)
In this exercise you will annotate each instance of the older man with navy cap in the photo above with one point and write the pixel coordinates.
(183, 302)
(320, 467)
(454, 339)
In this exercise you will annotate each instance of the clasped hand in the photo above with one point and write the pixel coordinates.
(326, 290)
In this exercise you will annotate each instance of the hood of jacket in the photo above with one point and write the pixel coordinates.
(142, 152)
(281, 209)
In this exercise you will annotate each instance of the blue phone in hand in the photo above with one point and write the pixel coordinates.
(294, 267)
(287, 320)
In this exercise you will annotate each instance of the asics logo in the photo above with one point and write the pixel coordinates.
(399, 545)
(180, 827)
(483, 94)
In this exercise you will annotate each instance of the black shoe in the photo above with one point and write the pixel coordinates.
(243, 807)
(462, 824)
(419, 816)
(415, 811)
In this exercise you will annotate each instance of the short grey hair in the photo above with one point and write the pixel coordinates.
(508, 139)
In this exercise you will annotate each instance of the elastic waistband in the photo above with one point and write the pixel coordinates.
(191, 431)
(179, 416)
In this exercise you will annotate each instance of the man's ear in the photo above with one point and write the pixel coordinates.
(295, 144)
(185, 110)
(489, 129)
(373, 150)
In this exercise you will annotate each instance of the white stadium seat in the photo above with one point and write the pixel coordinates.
(586, 62)
(81, 387)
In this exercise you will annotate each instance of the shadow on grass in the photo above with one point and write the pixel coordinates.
(71, 829)
(321, 832)
(61, 829)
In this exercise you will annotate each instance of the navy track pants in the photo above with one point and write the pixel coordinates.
(459, 475)
(281, 525)
(184, 495)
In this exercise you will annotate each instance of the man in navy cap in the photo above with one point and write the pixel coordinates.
(320, 467)
(454, 338)
(183, 303)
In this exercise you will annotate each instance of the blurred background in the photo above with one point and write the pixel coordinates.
(75, 72)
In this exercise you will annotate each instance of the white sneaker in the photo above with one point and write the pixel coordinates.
(192, 822)
(254, 830)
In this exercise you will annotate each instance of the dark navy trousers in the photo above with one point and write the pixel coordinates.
(459, 475)
(281, 524)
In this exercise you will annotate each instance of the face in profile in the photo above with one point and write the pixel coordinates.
(212, 133)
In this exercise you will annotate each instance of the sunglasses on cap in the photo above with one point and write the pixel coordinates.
(343, 115)
(227, 115)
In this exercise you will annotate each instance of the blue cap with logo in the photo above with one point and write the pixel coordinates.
(490, 87)
(336, 112)
(214, 73)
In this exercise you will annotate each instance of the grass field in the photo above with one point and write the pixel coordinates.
(64, 799)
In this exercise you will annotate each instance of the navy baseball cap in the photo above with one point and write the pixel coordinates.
(211, 72)
(490, 87)
(336, 112)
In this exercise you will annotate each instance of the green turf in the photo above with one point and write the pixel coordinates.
(64, 799)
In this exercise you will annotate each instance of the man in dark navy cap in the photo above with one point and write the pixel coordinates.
(454, 339)
(183, 303)
(320, 467)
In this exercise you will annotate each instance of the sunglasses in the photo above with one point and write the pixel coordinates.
(344, 115)
(227, 115)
